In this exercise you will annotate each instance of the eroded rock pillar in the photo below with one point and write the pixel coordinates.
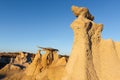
(80, 65)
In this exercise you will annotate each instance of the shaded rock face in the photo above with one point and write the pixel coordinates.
(92, 58)
(4, 61)
(6, 58)
(17, 58)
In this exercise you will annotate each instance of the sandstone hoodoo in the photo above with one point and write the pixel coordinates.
(92, 58)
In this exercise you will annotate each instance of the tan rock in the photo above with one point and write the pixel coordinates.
(8, 68)
(55, 56)
(50, 57)
(92, 58)
(35, 67)
(52, 66)
(84, 12)
(14, 67)
(61, 61)
(53, 73)
(21, 58)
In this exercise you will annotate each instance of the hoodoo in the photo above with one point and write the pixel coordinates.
(92, 58)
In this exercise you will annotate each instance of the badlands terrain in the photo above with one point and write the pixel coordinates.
(91, 57)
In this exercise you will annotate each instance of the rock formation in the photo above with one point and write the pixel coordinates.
(48, 66)
(92, 58)
(35, 66)
(6, 58)
(13, 62)
(17, 58)
(43, 65)
(49, 57)
(51, 62)
(23, 58)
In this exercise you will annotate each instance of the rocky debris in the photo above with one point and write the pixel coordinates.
(92, 58)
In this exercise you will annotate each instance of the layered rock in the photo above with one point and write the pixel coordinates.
(92, 58)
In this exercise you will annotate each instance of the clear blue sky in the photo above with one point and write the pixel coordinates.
(24, 24)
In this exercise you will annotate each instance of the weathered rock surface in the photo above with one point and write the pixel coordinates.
(92, 58)
(12, 63)
(49, 66)
(23, 59)
(17, 58)
(35, 67)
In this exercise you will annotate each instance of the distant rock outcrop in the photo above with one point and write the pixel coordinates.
(40, 68)
(43, 65)
(92, 58)
(6, 58)
(16, 58)
(23, 59)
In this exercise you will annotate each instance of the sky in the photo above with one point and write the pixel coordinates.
(26, 24)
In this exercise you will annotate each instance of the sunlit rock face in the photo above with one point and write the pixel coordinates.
(92, 58)
(48, 66)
